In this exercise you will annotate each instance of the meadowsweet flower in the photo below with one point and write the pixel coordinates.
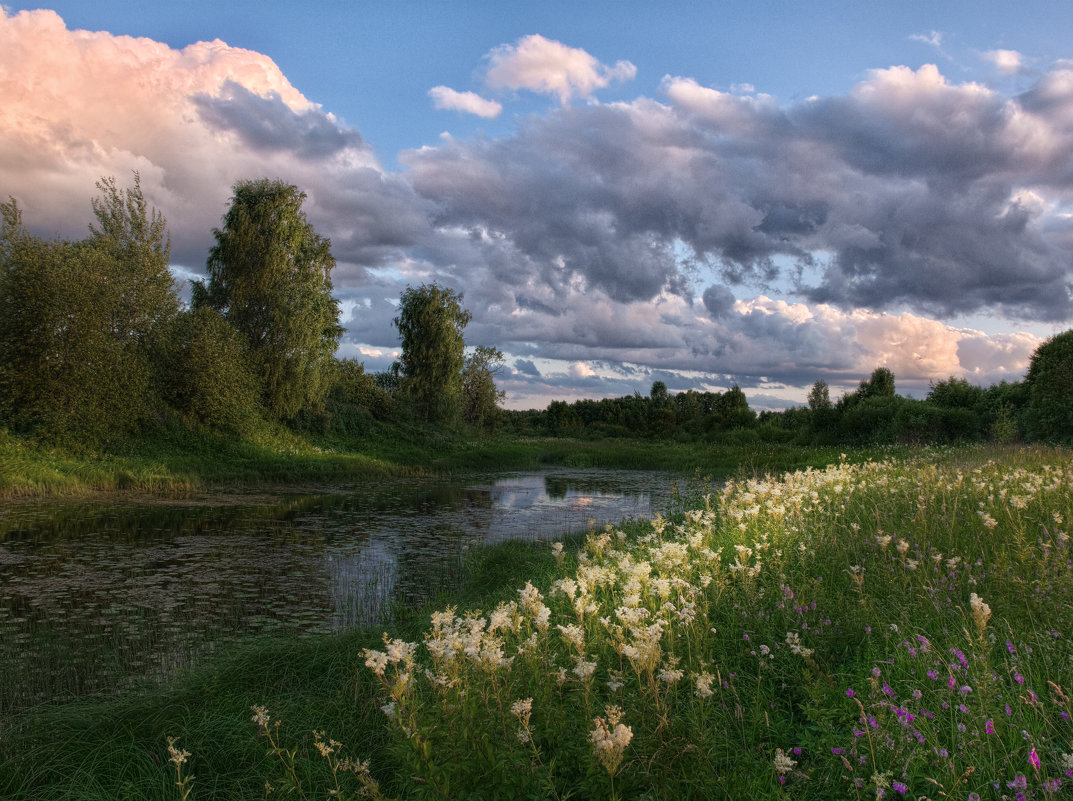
(574, 635)
(582, 669)
(671, 673)
(794, 641)
(376, 661)
(176, 756)
(783, 763)
(521, 709)
(260, 717)
(610, 738)
(704, 685)
(981, 612)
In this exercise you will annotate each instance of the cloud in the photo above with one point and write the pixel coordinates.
(1008, 62)
(618, 240)
(549, 67)
(526, 367)
(79, 105)
(470, 102)
(933, 38)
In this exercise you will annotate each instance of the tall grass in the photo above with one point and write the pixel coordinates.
(896, 628)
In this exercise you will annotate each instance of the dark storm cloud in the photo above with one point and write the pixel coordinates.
(907, 191)
(526, 367)
(267, 123)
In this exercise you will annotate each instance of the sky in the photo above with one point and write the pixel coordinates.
(704, 194)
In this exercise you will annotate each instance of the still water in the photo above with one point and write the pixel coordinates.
(96, 594)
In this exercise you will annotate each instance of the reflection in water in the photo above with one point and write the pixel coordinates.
(95, 593)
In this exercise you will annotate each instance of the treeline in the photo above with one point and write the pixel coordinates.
(1039, 408)
(97, 348)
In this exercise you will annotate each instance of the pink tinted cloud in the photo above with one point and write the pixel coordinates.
(549, 67)
(444, 97)
(79, 105)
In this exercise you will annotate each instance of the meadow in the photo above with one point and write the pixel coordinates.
(893, 627)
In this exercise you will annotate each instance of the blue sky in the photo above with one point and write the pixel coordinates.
(699, 193)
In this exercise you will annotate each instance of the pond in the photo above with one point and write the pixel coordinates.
(94, 595)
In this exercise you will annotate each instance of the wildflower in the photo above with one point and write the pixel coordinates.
(260, 717)
(1033, 759)
(794, 641)
(389, 709)
(1019, 782)
(610, 739)
(671, 673)
(989, 727)
(176, 756)
(583, 670)
(783, 763)
(900, 788)
(376, 661)
(704, 685)
(521, 709)
(980, 611)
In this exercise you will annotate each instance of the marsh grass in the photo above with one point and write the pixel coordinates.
(895, 628)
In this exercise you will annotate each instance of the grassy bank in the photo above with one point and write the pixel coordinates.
(897, 628)
(181, 460)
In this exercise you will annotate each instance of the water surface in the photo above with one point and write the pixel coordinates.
(94, 594)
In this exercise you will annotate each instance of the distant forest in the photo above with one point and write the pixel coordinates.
(96, 348)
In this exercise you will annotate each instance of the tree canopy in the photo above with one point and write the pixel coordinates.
(270, 277)
(431, 322)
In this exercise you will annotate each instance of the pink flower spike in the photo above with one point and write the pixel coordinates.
(1033, 759)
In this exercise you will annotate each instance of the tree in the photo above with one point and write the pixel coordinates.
(270, 277)
(63, 374)
(430, 322)
(819, 397)
(480, 398)
(77, 320)
(208, 375)
(135, 239)
(1049, 383)
(880, 384)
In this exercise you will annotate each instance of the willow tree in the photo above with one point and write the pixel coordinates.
(430, 322)
(270, 277)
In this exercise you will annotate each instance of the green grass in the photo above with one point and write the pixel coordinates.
(820, 611)
(178, 459)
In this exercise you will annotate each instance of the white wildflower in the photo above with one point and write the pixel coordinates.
(783, 763)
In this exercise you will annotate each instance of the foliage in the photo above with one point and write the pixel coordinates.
(135, 239)
(76, 319)
(480, 398)
(431, 321)
(208, 375)
(1049, 383)
(270, 277)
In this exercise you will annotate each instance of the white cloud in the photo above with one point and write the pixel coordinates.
(933, 38)
(444, 97)
(550, 67)
(1008, 62)
(79, 105)
(581, 370)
